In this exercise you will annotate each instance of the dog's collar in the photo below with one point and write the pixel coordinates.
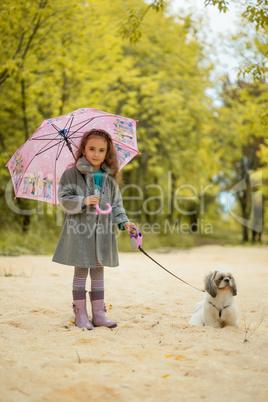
(219, 309)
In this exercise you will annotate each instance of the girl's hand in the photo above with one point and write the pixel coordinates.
(91, 200)
(128, 227)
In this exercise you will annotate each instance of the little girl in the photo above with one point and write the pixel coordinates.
(87, 241)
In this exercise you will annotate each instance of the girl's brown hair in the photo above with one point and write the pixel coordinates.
(110, 159)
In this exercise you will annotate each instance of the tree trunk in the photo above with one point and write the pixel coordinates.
(245, 203)
(172, 195)
(24, 110)
(64, 92)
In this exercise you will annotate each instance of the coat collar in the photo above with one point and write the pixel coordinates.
(85, 167)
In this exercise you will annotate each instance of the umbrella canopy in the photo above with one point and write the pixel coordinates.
(37, 166)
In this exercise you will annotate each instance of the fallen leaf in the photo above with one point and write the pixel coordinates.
(168, 356)
(110, 307)
(180, 357)
(165, 376)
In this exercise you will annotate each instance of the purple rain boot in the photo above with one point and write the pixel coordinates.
(80, 310)
(98, 309)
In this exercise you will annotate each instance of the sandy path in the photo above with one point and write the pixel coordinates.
(153, 354)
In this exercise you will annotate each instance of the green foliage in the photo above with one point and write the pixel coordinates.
(257, 13)
(222, 4)
(131, 28)
(242, 138)
(255, 64)
(60, 56)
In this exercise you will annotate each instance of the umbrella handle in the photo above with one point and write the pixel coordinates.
(107, 212)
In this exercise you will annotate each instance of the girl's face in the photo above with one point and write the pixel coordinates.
(95, 151)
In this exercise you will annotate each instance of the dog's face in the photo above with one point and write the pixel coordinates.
(220, 280)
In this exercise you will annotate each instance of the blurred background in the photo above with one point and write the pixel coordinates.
(194, 77)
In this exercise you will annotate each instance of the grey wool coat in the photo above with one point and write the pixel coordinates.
(84, 235)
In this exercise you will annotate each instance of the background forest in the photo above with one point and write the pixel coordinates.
(58, 56)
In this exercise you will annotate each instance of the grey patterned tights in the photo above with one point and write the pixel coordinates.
(96, 276)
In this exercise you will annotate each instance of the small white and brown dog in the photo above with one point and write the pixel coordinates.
(218, 308)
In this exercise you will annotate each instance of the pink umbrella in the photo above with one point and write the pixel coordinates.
(36, 167)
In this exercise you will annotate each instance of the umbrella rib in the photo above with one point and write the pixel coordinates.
(45, 135)
(44, 139)
(88, 121)
(55, 171)
(67, 122)
(55, 183)
(59, 152)
(125, 146)
(47, 149)
(52, 139)
(42, 136)
(70, 125)
(103, 115)
(84, 123)
(60, 140)
(56, 128)
(73, 143)
(107, 115)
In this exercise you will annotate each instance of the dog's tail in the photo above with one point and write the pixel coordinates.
(198, 306)
(197, 318)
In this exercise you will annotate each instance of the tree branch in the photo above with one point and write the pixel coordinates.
(130, 28)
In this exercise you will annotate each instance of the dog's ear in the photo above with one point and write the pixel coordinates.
(234, 288)
(210, 285)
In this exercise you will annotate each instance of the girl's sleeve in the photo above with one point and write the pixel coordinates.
(118, 212)
(71, 202)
